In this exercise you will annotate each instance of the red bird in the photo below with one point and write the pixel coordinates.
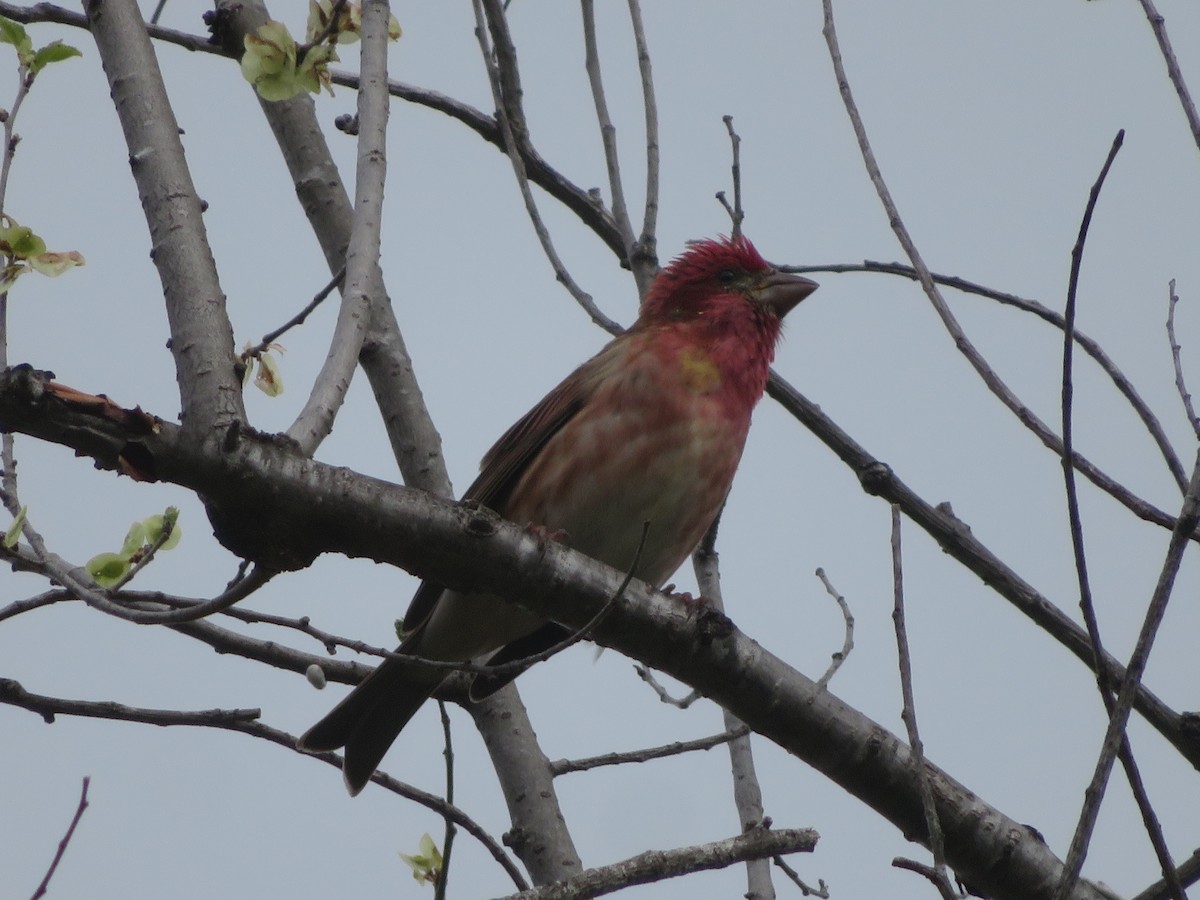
(650, 429)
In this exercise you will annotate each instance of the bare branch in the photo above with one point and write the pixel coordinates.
(245, 721)
(62, 845)
(593, 215)
(510, 117)
(659, 865)
(315, 421)
(1187, 874)
(271, 336)
(736, 214)
(676, 748)
(1089, 346)
(1189, 517)
(439, 892)
(955, 537)
(821, 890)
(664, 695)
(1177, 361)
(415, 441)
(848, 643)
(645, 252)
(1159, 25)
(1087, 606)
(933, 873)
(539, 833)
(936, 839)
(643, 274)
(747, 792)
(318, 508)
(989, 376)
(201, 336)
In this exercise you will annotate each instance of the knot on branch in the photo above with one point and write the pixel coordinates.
(27, 384)
(478, 520)
(875, 478)
(713, 625)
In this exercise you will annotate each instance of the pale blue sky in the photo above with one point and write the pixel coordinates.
(990, 123)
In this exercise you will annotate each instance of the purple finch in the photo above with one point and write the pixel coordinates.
(649, 430)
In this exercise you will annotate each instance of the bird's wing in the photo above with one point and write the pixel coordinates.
(507, 460)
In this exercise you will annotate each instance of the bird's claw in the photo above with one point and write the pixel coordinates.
(544, 535)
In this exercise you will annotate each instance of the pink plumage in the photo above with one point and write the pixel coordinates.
(650, 429)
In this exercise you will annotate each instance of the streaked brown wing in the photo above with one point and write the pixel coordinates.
(508, 458)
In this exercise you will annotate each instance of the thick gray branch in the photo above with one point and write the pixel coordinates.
(276, 506)
(201, 336)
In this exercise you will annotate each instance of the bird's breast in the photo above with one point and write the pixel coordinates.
(653, 444)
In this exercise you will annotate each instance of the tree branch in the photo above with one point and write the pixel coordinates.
(302, 507)
(246, 722)
(201, 336)
(955, 537)
(1093, 349)
(662, 864)
(62, 845)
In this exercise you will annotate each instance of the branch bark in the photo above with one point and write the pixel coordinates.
(277, 504)
(210, 391)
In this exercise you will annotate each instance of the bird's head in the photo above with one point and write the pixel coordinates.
(724, 277)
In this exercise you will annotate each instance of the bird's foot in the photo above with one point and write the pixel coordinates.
(544, 535)
(692, 604)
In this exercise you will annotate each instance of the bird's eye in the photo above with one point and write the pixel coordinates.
(727, 276)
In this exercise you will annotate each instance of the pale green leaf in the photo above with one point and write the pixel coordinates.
(55, 51)
(135, 539)
(54, 263)
(107, 568)
(14, 530)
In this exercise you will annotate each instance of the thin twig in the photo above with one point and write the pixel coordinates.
(736, 214)
(933, 824)
(145, 557)
(608, 131)
(848, 642)
(1189, 517)
(1087, 606)
(62, 845)
(644, 255)
(659, 865)
(1187, 874)
(821, 890)
(271, 336)
(663, 694)
(508, 113)
(676, 748)
(9, 494)
(593, 215)
(1159, 26)
(245, 722)
(439, 891)
(1046, 314)
(933, 873)
(1177, 361)
(1068, 389)
(964, 345)
(124, 605)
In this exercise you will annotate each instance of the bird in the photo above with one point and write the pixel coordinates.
(630, 457)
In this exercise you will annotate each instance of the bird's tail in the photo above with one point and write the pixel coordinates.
(371, 716)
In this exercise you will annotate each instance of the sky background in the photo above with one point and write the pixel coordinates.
(990, 123)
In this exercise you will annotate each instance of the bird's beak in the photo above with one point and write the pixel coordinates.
(781, 291)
